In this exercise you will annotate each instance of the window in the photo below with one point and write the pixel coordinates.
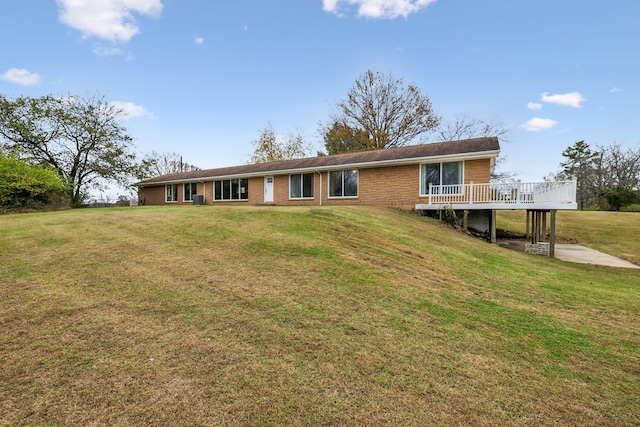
(343, 183)
(449, 175)
(190, 190)
(301, 185)
(171, 192)
(231, 189)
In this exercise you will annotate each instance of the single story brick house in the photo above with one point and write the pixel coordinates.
(403, 177)
(426, 178)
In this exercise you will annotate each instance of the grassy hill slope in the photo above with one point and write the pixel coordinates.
(303, 316)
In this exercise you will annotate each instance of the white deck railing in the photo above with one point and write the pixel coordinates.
(513, 194)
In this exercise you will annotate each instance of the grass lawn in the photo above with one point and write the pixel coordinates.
(205, 315)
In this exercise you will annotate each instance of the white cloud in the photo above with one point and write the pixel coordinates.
(615, 89)
(573, 99)
(107, 19)
(107, 51)
(131, 110)
(21, 77)
(198, 40)
(534, 106)
(537, 124)
(378, 8)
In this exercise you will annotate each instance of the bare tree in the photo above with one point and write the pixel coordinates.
(389, 113)
(466, 127)
(162, 163)
(270, 147)
(622, 168)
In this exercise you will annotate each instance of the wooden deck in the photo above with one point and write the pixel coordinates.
(546, 195)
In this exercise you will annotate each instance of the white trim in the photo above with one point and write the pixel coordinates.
(192, 194)
(425, 191)
(173, 196)
(313, 188)
(497, 206)
(329, 196)
(213, 190)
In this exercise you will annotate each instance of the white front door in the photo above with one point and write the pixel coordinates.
(268, 189)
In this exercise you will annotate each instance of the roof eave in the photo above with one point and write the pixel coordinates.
(492, 154)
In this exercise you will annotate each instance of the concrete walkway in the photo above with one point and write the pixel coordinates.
(584, 255)
(575, 253)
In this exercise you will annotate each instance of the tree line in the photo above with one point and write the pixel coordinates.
(607, 177)
(83, 142)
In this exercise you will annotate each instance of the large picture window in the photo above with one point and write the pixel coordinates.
(301, 186)
(449, 175)
(343, 183)
(190, 190)
(231, 189)
(171, 193)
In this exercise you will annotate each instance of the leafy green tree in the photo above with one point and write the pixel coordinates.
(384, 110)
(341, 138)
(580, 165)
(27, 186)
(81, 138)
(270, 147)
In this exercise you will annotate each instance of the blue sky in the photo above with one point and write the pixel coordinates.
(203, 78)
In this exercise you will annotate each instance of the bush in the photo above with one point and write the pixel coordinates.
(24, 186)
(619, 197)
(632, 208)
(592, 208)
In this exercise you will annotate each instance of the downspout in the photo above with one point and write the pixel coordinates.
(320, 173)
(204, 192)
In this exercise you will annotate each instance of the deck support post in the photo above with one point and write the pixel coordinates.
(538, 226)
(526, 235)
(544, 227)
(493, 238)
(552, 234)
(465, 219)
(534, 227)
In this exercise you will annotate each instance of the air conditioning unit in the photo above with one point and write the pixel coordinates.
(198, 199)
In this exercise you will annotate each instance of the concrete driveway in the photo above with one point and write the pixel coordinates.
(575, 253)
(584, 255)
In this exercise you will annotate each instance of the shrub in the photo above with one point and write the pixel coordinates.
(24, 186)
(635, 207)
(619, 197)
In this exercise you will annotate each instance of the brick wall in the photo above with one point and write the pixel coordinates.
(477, 171)
(151, 195)
(395, 186)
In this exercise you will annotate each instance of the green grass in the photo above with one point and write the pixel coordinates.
(615, 233)
(306, 316)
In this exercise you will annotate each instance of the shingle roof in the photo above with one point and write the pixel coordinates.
(397, 155)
